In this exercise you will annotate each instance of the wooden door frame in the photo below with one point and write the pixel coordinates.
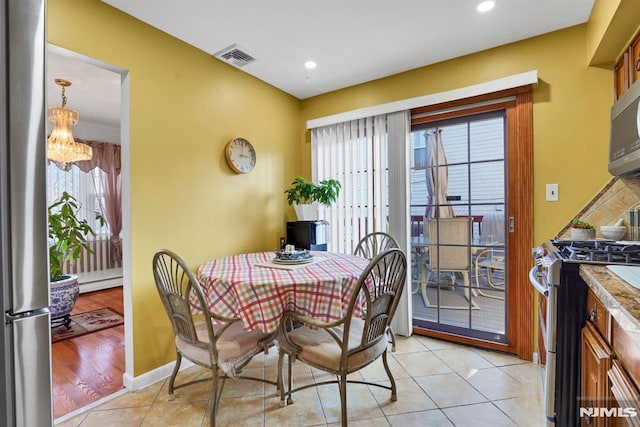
(518, 105)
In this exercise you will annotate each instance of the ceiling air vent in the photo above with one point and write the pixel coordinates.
(235, 56)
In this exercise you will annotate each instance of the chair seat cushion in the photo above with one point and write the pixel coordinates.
(235, 346)
(320, 349)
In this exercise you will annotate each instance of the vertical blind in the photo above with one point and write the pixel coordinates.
(369, 157)
(354, 153)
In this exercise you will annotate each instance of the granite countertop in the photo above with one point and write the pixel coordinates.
(621, 299)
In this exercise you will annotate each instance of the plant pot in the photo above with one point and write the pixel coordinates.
(307, 212)
(583, 234)
(63, 294)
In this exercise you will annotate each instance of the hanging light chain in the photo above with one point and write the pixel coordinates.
(64, 98)
(63, 84)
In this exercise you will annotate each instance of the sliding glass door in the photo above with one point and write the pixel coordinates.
(458, 226)
(452, 182)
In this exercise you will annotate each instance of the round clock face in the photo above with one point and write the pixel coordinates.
(240, 155)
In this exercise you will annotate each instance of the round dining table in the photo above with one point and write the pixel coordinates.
(258, 290)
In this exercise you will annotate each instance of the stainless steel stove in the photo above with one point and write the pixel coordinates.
(562, 314)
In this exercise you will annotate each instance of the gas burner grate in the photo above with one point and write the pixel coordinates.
(600, 251)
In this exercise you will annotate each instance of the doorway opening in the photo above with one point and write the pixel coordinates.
(100, 94)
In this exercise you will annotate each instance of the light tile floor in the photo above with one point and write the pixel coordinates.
(439, 384)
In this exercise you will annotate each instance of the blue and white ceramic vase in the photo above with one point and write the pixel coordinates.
(64, 294)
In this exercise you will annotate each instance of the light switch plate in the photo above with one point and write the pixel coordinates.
(552, 192)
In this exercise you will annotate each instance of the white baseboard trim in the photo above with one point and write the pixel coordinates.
(97, 280)
(534, 357)
(98, 286)
(153, 376)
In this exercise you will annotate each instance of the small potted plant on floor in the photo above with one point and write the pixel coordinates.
(582, 230)
(306, 195)
(67, 240)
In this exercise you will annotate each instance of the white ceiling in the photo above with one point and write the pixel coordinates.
(94, 90)
(352, 41)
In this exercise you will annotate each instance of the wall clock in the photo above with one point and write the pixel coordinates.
(240, 155)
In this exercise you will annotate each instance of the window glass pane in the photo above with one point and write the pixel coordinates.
(487, 182)
(419, 191)
(81, 186)
(458, 184)
(487, 139)
(454, 139)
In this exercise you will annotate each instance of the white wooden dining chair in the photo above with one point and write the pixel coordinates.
(225, 345)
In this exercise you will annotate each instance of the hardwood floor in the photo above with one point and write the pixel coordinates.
(89, 367)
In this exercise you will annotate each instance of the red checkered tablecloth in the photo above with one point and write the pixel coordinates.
(236, 287)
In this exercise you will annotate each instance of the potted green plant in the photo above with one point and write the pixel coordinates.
(305, 196)
(67, 240)
(582, 230)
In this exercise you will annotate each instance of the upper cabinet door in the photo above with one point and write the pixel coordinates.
(621, 76)
(634, 61)
(627, 70)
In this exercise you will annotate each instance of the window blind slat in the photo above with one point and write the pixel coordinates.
(355, 154)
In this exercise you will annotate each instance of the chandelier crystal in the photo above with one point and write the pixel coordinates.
(61, 147)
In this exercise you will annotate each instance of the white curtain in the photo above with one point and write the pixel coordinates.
(369, 157)
(80, 185)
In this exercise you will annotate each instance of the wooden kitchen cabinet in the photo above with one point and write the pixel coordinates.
(627, 351)
(635, 60)
(627, 69)
(598, 315)
(625, 396)
(596, 362)
(621, 76)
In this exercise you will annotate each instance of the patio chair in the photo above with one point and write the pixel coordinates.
(348, 344)
(490, 270)
(371, 245)
(449, 253)
(224, 346)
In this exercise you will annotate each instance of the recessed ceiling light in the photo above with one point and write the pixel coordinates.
(485, 6)
(310, 65)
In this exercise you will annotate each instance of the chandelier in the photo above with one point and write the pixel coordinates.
(61, 147)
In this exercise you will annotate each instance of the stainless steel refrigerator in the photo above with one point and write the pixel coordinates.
(25, 346)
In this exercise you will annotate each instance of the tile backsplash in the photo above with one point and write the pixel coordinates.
(610, 204)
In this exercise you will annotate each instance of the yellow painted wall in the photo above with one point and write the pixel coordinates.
(611, 27)
(570, 114)
(185, 105)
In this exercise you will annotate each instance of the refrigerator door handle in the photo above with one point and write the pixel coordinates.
(10, 317)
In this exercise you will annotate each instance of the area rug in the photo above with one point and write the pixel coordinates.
(85, 323)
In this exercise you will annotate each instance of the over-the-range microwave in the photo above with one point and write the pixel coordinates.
(624, 147)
